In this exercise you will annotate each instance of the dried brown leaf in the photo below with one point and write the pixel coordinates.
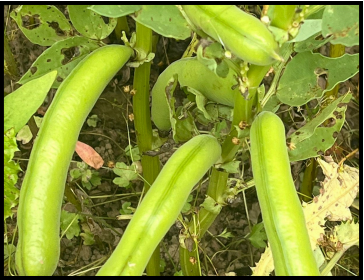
(89, 155)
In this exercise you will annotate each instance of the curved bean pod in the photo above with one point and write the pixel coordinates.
(43, 186)
(194, 74)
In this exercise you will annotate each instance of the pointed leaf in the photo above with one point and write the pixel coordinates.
(21, 104)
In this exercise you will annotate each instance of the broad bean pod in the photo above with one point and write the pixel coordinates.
(42, 190)
(194, 74)
(282, 212)
(241, 33)
(161, 206)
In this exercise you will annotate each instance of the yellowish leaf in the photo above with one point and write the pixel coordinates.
(338, 192)
(265, 265)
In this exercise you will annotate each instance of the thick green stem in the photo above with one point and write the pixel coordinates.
(203, 220)
(143, 125)
(243, 110)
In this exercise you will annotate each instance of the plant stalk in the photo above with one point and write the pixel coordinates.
(143, 125)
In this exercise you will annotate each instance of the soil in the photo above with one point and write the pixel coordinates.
(112, 134)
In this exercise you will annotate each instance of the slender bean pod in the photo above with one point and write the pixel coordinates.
(42, 190)
(161, 206)
(282, 213)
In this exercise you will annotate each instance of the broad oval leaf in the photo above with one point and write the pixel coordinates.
(89, 23)
(299, 82)
(166, 20)
(50, 25)
(115, 11)
(342, 23)
(62, 56)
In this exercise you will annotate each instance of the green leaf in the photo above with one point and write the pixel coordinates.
(212, 56)
(9, 249)
(121, 182)
(125, 210)
(73, 229)
(231, 167)
(11, 170)
(133, 153)
(312, 43)
(75, 173)
(88, 237)
(126, 173)
(182, 122)
(21, 104)
(211, 205)
(309, 28)
(226, 234)
(258, 236)
(200, 101)
(95, 179)
(25, 135)
(50, 25)
(115, 11)
(141, 58)
(178, 273)
(86, 176)
(218, 127)
(312, 140)
(299, 82)
(89, 23)
(92, 121)
(165, 20)
(341, 22)
(272, 104)
(187, 205)
(62, 56)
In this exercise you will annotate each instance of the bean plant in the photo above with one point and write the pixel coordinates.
(255, 92)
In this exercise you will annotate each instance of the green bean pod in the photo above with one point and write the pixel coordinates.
(241, 33)
(42, 190)
(194, 74)
(161, 206)
(282, 212)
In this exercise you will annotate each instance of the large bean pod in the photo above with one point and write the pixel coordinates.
(282, 212)
(162, 205)
(194, 74)
(241, 33)
(43, 186)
